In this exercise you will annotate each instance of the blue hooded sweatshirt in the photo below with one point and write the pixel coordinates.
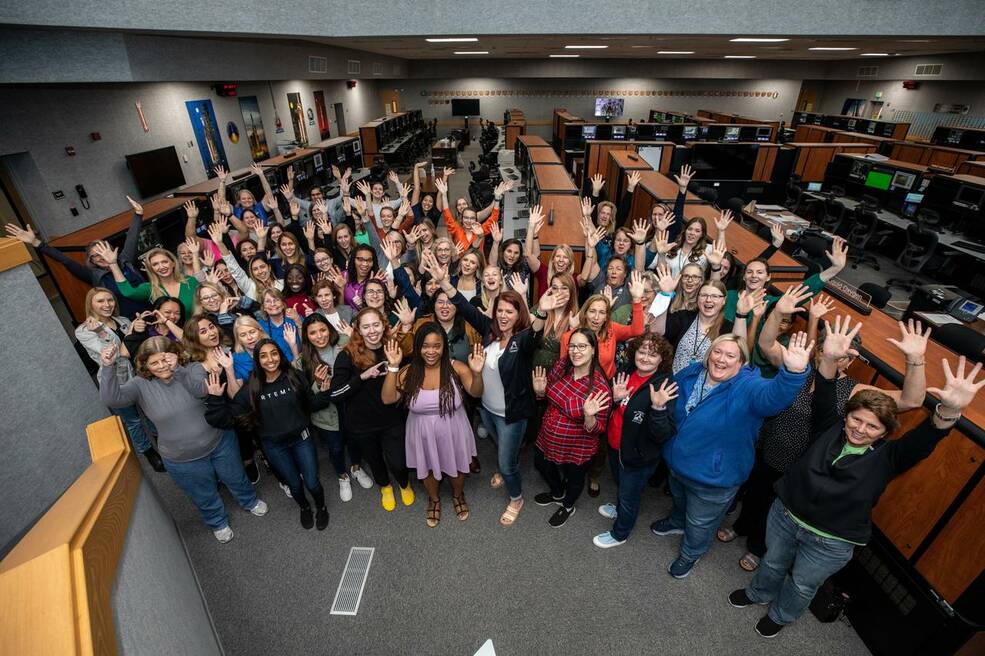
(716, 443)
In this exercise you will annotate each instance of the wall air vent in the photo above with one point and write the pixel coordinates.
(867, 71)
(377, 68)
(353, 67)
(928, 69)
(317, 64)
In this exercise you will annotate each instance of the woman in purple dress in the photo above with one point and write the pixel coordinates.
(439, 436)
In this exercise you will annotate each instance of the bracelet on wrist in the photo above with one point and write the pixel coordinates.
(942, 417)
(718, 268)
(740, 315)
(914, 364)
(639, 242)
(668, 294)
(393, 370)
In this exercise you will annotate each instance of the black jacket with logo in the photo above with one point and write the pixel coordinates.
(645, 430)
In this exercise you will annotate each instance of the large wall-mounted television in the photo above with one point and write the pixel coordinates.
(464, 107)
(609, 107)
(156, 171)
(724, 161)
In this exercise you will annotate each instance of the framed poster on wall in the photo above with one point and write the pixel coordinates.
(322, 114)
(207, 134)
(297, 118)
(253, 123)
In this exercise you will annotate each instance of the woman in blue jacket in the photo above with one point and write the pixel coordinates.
(719, 411)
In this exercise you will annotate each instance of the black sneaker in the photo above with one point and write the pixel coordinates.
(767, 627)
(154, 459)
(321, 519)
(307, 518)
(560, 516)
(252, 472)
(545, 499)
(739, 599)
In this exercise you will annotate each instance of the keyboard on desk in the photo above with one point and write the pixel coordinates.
(967, 245)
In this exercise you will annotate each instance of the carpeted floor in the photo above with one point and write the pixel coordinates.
(531, 588)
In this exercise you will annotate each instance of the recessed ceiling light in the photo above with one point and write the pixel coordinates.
(584, 47)
(874, 54)
(916, 40)
(740, 56)
(675, 52)
(564, 56)
(471, 52)
(456, 39)
(756, 39)
(833, 49)
(640, 46)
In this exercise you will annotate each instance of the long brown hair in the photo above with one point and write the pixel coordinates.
(190, 342)
(562, 314)
(583, 315)
(716, 325)
(413, 380)
(699, 247)
(513, 298)
(681, 300)
(361, 356)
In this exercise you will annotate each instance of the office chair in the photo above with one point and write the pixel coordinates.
(837, 191)
(794, 195)
(920, 247)
(735, 205)
(928, 218)
(961, 339)
(879, 295)
(870, 202)
(708, 194)
(834, 215)
(811, 252)
(862, 234)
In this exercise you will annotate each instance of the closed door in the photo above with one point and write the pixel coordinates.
(339, 119)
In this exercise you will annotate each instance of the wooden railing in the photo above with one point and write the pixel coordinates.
(55, 585)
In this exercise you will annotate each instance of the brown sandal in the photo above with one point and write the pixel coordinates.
(461, 508)
(434, 512)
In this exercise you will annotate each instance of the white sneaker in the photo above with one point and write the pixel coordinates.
(223, 535)
(481, 432)
(260, 508)
(345, 489)
(362, 478)
(286, 489)
(608, 510)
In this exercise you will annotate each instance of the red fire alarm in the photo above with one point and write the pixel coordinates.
(910, 84)
(95, 136)
(350, 84)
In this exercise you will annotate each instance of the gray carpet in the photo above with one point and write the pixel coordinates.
(531, 588)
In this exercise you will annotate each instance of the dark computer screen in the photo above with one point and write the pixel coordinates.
(878, 180)
(156, 171)
(645, 131)
(970, 196)
(724, 162)
(464, 107)
(603, 132)
(763, 134)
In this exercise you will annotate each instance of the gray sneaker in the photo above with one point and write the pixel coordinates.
(223, 535)
(259, 508)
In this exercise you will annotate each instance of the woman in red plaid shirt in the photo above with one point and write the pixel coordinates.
(578, 403)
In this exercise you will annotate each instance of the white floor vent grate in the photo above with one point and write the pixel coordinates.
(350, 590)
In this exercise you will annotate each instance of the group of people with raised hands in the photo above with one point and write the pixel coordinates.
(393, 330)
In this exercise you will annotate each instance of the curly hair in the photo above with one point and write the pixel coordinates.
(659, 344)
(361, 355)
(153, 346)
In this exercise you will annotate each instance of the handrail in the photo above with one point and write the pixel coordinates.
(56, 584)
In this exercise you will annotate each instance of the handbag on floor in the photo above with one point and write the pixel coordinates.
(829, 602)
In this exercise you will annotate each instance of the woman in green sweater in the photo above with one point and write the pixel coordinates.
(163, 272)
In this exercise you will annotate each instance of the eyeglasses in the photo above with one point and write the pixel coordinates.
(209, 298)
(709, 297)
(443, 302)
(579, 347)
(374, 292)
(691, 277)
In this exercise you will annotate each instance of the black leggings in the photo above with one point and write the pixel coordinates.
(383, 446)
(565, 480)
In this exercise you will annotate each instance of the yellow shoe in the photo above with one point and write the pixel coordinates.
(407, 495)
(386, 498)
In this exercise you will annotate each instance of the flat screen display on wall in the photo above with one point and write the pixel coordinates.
(609, 107)
(464, 107)
(156, 171)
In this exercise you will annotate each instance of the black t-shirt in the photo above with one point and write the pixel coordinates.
(282, 415)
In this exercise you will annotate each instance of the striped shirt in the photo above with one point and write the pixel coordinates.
(563, 437)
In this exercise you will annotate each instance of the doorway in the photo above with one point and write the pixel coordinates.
(391, 101)
(339, 119)
(322, 114)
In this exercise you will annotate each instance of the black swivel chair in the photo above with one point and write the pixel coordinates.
(735, 205)
(871, 202)
(962, 340)
(863, 235)
(837, 191)
(812, 252)
(794, 196)
(834, 215)
(920, 246)
(879, 295)
(928, 218)
(708, 194)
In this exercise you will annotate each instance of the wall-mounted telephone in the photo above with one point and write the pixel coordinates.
(83, 196)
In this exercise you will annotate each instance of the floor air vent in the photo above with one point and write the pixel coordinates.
(350, 590)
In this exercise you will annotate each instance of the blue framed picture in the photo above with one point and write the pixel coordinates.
(207, 134)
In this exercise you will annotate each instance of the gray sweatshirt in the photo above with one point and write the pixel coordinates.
(176, 407)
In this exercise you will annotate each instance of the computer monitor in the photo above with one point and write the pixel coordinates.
(913, 198)
(763, 134)
(645, 131)
(871, 129)
(859, 170)
(690, 132)
(878, 180)
(954, 137)
(619, 132)
(970, 197)
(588, 132)
(731, 134)
(903, 180)
(851, 123)
(356, 147)
(609, 107)
(651, 155)
(814, 186)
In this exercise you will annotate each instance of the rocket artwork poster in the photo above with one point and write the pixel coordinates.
(253, 123)
(207, 135)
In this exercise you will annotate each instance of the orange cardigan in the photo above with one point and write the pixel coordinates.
(463, 238)
(617, 333)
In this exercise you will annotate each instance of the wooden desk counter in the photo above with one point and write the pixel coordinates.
(543, 156)
(533, 141)
(334, 141)
(619, 164)
(118, 223)
(553, 179)
(211, 186)
(890, 163)
(976, 168)
(280, 160)
(567, 221)
(655, 188)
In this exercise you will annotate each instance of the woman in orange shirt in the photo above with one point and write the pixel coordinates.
(470, 233)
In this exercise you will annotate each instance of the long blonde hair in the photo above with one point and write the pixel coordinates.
(156, 283)
(564, 248)
(90, 313)
(487, 300)
(583, 315)
(250, 322)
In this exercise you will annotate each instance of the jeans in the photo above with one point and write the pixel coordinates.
(564, 479)
(132, 421)
(380, 447)
(199, 479)
(797, 562)
(629, 486)
(296, 459)
(336, 445)
(756, 503)
(698, 509)
(509, 439)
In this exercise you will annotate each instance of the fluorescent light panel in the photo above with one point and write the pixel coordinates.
(740, 56)
(832, 49)
(756, 39)
(585, 47)
(455, 39)
(675, 52)
(564, 56)
(874, 54)
(471, 52)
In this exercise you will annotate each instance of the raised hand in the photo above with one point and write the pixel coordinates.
(639, 230)
(269, 201)
(959, 390)
(540, 381)
(594, 237)
(308, 230)
(221, 172)
(345, 328)
(222, 358)
(291, 333)
(447, 172)
(619, 385)
(597, 183)
(662, 243)
(536, 220)
(683, 179)
(838, 339)
(193, 245)
(105, 251)
(502, 188)
(666, 281)
(208, 258)
(838, 253)
(404, 191)
(553, 299)
(323, 375)
(595, 403)
(137, 207)
(25, 235)
(393, 353)
(286, 190)
(214, 385)
(393, 177)
(791, 300)
(441, 185)
(659, 398)
(819, 306)
(777, 234)
(477, 358)
(363, 188)
(291, 313)
(191, 209)
(519, 284)
(797, 354)
(717, 252)
(632, 179)
(912, 342)
(405, 314)
(495, 232)
(607, 294)
(586, 206)
(256, 169)
(722, 221)
(336, 173)
(636, 286)
(295, 207)
(664, 222)
(748, 300)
